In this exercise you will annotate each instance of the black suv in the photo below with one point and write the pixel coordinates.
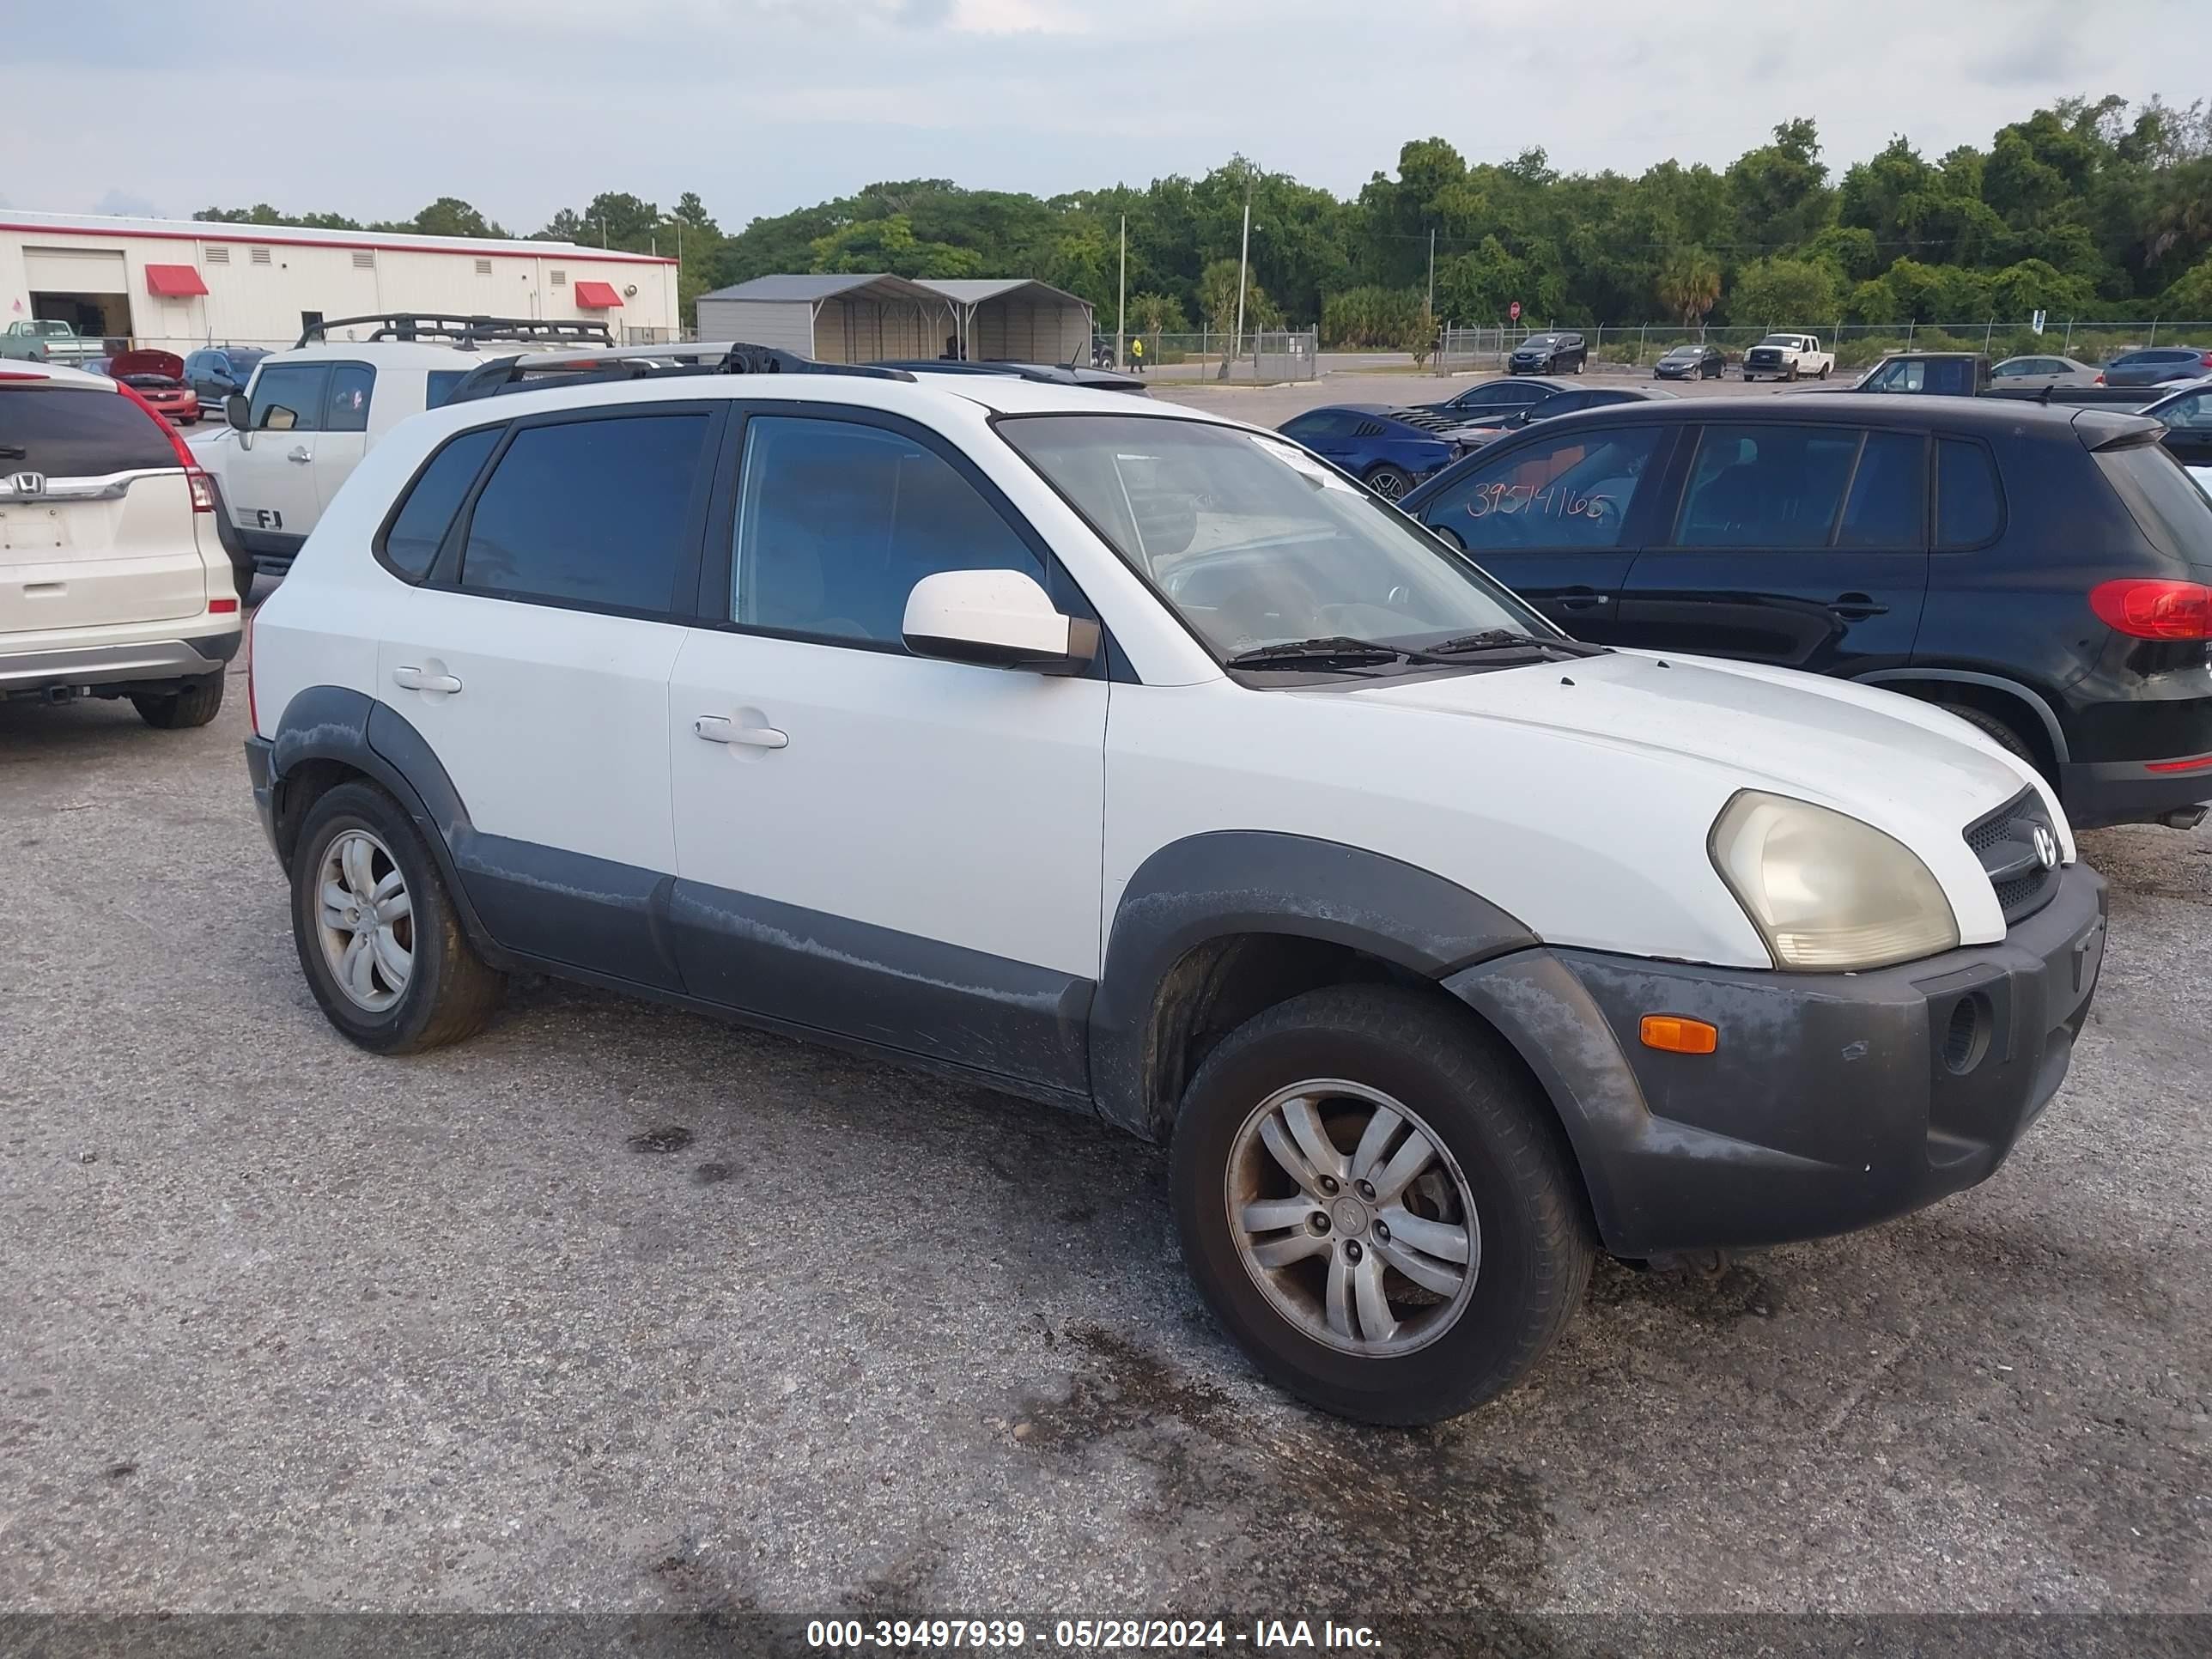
(1548, 353)
(2041, 572)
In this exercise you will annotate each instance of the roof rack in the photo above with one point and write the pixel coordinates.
(462, 331)
(535, 372)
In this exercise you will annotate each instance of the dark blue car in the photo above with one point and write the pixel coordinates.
(1390, 449)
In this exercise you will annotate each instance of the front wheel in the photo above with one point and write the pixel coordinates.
(1375, 1200)
(1792, 373)
(1391, 483)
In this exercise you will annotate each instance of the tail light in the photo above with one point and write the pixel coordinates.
(2208, 360)
(195, 480)
(2154, 610)
(2099, 381)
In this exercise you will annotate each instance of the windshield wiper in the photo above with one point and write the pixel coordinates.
(1335, 648)
(13, 452)
(1505, 639)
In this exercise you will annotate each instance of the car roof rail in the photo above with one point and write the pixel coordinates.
(470, 330)
(538, 370)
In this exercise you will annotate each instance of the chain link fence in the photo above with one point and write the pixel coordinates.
(1263, 355)
(1857, 345)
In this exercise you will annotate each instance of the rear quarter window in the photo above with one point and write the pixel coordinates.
(417, 530)
(1969, 501)
(2164, 501)
(72, 434)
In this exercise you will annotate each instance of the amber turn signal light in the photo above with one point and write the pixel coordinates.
(1674, 1034)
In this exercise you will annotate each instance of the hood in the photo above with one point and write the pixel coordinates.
(1903, 766)
(164, 363)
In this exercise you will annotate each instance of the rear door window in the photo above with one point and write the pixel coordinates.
(1969, 503)
(78, 435)
(289, 398)
(418, 529)
(589, 512)
(1887, 506)
(1767, 486)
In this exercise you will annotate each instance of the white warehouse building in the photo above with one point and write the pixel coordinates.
(178, 284)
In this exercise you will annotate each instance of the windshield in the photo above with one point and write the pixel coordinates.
(1253, 542)
(1780, 340)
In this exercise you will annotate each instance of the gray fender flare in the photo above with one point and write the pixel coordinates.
(1243, 882)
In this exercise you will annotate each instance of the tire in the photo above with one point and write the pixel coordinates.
(1578, 365)
(1792, 375)
(174, 711)
(1499, 1161)
(1391, 483)
(447, 992)
(1823, 374)
(2001, 732)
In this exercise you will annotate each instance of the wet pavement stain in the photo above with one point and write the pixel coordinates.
(709, 1174)
(1256, 1513)
(1736, 1293)
(667, 1138)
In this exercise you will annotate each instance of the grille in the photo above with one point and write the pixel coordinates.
(2005, 843)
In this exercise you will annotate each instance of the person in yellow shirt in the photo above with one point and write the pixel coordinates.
(1137, 354)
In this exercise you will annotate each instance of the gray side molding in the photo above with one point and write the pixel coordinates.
(1237, 883)
(2014, 689)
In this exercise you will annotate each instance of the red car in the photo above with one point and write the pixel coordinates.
(159, 377)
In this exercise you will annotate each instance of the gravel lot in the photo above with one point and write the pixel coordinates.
(615, 1308)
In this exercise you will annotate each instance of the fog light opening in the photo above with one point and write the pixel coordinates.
(1966, 1033)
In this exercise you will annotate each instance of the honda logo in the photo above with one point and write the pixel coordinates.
(27, 483)
(2046, 848)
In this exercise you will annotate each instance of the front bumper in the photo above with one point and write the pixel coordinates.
(1834, 1101)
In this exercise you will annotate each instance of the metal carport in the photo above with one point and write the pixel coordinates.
(834, 318)
(1018, 320)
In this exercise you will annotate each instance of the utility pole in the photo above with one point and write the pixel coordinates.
(1122, 301)
(1243, 265)
(1431, 305)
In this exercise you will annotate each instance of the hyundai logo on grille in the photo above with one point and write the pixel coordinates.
(2046, 848)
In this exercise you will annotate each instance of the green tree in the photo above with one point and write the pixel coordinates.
(1690, 284)
(1783, 293)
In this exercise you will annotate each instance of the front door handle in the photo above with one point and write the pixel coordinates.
(1856, 607)
(299, 454)
(714, 729)
(414, 679)
(1582, 599)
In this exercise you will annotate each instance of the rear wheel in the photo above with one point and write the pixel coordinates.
(2005, 737)
(1823, 374)
(172, 711)
(378, 937)
(1374, 1200)
(1390, 482)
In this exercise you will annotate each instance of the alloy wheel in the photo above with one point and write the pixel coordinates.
(364, 921)
(1373, 1250)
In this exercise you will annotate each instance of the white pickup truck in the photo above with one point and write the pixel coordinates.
(1788, 358)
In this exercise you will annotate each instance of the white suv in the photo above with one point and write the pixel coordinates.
(112, 581)
(1135, 760)
(294, 435)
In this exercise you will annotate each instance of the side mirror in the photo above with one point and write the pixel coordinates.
(235, 410)
(997, 619)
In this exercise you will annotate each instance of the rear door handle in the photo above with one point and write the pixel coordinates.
(299, 453)
(1582, 599)
(1856, 607)
(414, 679)
(714, 729)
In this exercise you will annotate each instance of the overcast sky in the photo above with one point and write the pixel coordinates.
(373, 108)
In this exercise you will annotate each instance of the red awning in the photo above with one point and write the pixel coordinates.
(174, 282)
(597, 296)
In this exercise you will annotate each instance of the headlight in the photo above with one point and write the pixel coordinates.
(1827, 891)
